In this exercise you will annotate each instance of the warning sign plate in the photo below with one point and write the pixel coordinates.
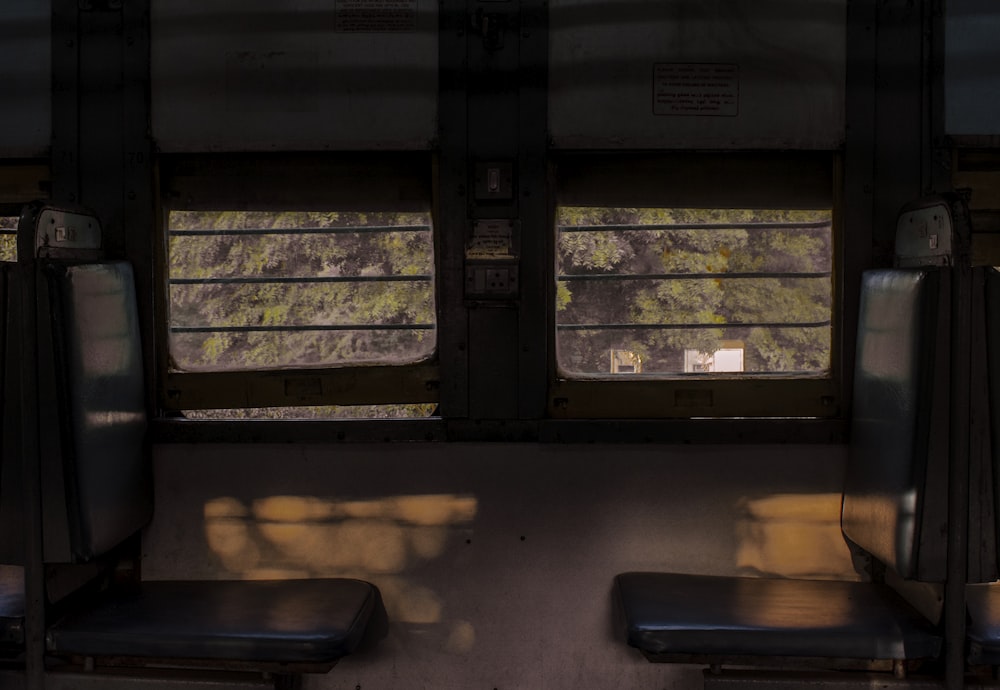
(376, 16)
(696, 89)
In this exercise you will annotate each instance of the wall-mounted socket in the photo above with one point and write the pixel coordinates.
(491, 281)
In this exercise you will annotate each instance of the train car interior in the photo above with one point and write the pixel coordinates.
(499, 344)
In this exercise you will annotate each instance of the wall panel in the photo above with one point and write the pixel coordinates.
(294, 75)
(25, 59)
(972, 67)
(697, 73)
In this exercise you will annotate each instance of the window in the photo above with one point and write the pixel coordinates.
(8, 238)
(20, 182)
(694, 290)
(298, 288)
(270, 290)
(390, 411)
(695, 284)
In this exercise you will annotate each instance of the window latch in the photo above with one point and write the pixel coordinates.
(491, 26)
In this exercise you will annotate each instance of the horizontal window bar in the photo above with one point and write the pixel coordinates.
(682, 326)
(204, 232)
(808, 225)
(303, 329)
(265, 280)
(689, 276)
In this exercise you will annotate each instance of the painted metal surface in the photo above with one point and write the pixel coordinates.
(972, 67)
(290, 76)
(696, 74)
(25, 49)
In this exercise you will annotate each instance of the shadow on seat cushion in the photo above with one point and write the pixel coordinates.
(669, 613)
(288, 621)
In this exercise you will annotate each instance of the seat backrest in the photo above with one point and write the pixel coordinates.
(11, 490)
(891, 431)
(895, 494)
(993, 378)
(97, 488)
(99, 360)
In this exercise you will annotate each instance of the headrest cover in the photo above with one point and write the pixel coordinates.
(925, 234)
(65, 228)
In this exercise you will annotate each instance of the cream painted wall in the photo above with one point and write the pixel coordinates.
(496, 560)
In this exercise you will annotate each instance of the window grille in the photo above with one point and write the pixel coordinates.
(663, 283)
(272, 290)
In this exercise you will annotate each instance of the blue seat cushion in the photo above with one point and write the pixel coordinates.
(287, 621)
(11, 606)
(983, 632)
(702, 615)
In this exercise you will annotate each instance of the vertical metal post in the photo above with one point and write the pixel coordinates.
(138, 196)
(958, 473)
(65, 101)
(101, 119)
(34, 568)
(858, 196)
(493, 110)
(537, 265)
(937, 168)
(65, 164)
(451, 207)
(899, 133)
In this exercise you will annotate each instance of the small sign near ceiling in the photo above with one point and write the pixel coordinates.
(696, 89)
(376, 16)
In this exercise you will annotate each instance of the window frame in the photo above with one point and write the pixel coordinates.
(280, 182)
(690, 179)
(21, 182)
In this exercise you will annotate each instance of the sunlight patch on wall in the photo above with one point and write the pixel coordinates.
(462, 638)
(793, 535)
(429, 509)
(281, 537)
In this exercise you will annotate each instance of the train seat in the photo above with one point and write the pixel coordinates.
(893, 457)
(982, 600)
(100, 463)
(983, 628)
(717, 619)
(11, 576)
(288, 622)
(11, 610)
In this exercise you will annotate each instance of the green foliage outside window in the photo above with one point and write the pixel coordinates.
(319, 412)
(311, 297)
(605, 254)
(8, 238)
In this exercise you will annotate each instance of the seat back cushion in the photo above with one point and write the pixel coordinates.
(99, 366)
(890, 430)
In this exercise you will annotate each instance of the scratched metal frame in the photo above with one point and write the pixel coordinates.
(302, 183)
(760, 180)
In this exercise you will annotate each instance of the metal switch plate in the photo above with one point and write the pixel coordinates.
(486, 281)
(494, 181)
